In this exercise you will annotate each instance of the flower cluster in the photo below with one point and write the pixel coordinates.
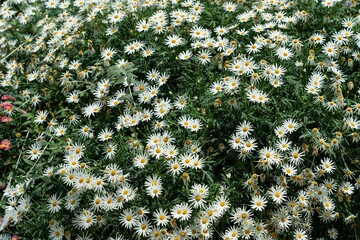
(6, 108)
(179, 119)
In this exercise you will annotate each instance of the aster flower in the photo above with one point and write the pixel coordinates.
(91, 109)
(217, 87)
(35, 100)
(84, 220)
(60, 130)
(241, 214)
(153, 186)
(105, 135)
(173, 41)
(116, 16)
(249, 145)
(56, 232)
(258, 203)
(328, 165)
(110, 150)
(290, 125)
(229, 7)
(277, 194)
(204, 56)
(128, 219)
(74, 65)
(54, 204)
(347, 188)
(185, 55)
(284, 53)
(195, 125)
(148, 51)
(245, 129)
(161, 217)
(108, 53)
(289, 169)
(181, 211)
(35, 151)
(300, 235)
(143, 228)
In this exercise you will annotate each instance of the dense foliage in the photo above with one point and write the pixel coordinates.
(179, 119)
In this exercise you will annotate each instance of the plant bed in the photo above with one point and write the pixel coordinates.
(179, 119)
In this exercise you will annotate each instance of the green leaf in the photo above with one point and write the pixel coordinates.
(27, 161)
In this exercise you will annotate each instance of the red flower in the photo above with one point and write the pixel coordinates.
(6, 97)
(5, 119)
(5, 144)
(7, 106)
